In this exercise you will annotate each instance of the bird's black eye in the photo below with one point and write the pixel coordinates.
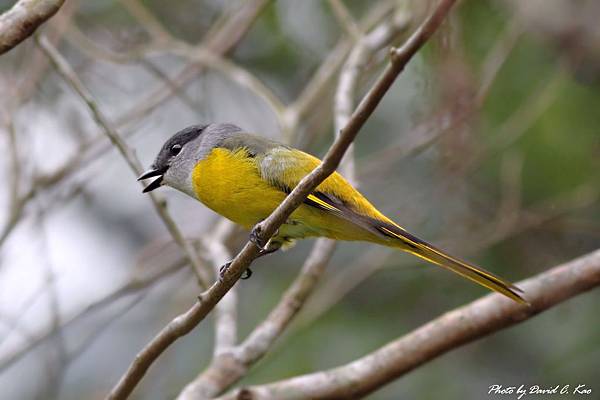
(175, 149)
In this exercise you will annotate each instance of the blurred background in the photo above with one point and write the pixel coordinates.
(487, 145)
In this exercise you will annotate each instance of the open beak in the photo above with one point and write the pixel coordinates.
(151, 173)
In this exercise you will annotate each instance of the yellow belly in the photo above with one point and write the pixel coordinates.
(230, 184)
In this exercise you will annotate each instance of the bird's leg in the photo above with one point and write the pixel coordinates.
(269, 248)
(258, 240)
(223, 269)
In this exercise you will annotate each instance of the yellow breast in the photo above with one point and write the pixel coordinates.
(229, 183)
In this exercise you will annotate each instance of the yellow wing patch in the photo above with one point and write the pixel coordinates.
(321, 203)
(285, 167)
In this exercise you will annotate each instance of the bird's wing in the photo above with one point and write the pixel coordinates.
(284, 167)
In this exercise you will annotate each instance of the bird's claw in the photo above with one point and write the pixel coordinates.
(246, 274)
(223, 270)
(256, 238)
(259, 242)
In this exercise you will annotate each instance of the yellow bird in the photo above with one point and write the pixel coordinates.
(244, 177)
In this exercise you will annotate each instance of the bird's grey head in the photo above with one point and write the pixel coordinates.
(179, 155)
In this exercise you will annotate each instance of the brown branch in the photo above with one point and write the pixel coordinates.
(184, 323)
(18, 23)
(447, 332)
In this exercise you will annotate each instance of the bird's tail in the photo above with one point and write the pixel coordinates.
(410, 243)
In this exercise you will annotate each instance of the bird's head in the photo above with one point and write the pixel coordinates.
(179, 155)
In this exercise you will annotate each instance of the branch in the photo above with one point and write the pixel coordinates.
(184, 323)
(447, 332)
(18, 23)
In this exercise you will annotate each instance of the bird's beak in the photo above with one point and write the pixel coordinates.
(151, 173)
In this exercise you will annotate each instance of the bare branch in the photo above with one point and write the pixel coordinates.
(18, 23)
(184, 323)
(453, 329)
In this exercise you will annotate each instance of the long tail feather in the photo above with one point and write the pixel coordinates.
(426, 251)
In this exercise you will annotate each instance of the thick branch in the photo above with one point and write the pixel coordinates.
(453, 329)
(184, 323)
(18, 23)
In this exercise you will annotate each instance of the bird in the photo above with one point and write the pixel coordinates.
(244, 177)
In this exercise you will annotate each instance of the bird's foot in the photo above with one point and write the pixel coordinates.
(256, 238)
(259, 241)
(223, 269)
(246, 274)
